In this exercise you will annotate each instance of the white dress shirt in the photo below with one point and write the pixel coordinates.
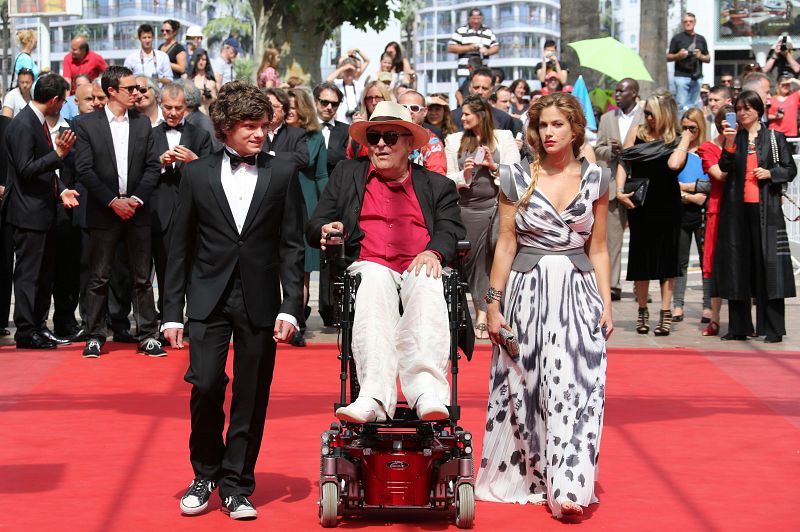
(156, 63)
(326, 131)
(120, 131)
(239, 187)
(624, 121)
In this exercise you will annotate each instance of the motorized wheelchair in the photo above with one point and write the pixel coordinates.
(402, 462)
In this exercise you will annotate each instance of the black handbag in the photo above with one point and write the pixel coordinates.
(639, 189)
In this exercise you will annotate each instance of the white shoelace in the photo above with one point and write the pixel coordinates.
(151, 343)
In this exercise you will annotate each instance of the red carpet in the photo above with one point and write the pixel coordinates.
(692, 441)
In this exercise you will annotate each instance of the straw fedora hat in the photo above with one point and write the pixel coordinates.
(390, 113)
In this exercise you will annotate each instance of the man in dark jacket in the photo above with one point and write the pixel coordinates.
(402, 224)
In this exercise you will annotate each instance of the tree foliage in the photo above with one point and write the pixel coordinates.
(299, 28)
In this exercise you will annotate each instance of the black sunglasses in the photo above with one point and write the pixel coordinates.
(690, 128)
(24, 71)
(326, 103)
(130, 88)
(389, 137)
(648, 114)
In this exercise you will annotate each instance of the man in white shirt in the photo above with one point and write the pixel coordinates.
(19, 97)
(224, 68)
(611, 135)
(238, 229)
(120, 171)
(147, 62)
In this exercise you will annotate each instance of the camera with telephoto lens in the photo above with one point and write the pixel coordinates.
(206, 93)
(783, 46)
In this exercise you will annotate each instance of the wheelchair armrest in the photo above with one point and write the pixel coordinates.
(463, 247)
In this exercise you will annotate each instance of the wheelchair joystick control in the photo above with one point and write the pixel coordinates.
(334, 245)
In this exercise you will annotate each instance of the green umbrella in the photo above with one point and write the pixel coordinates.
(612, 58)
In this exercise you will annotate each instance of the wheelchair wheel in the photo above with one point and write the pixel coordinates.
(465, 506)
(328, 504)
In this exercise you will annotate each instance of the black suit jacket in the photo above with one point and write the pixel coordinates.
(96, 165)
(337, 144)
(343, 197)
(32, 188)
(165, 195)
(4, 122)
(290, 144)
(205, 246)
(502, 120)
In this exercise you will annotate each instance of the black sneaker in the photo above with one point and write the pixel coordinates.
(238, 507)
(92, 349)
(151, 348)
(195, 500)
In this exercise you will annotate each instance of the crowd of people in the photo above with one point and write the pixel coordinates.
(170, 168)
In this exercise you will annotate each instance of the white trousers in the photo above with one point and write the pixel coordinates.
(416, 343)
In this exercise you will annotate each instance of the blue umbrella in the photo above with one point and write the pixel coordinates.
(580, 91)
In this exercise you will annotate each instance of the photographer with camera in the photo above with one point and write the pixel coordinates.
(782, 59)
(782, 107)
(472, 40)
(551, 63)
(689, 50)
(148, 62)
(347, 77)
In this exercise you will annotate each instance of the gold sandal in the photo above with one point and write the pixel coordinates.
(481, 331)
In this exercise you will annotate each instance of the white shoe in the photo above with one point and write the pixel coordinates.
(429, 409)
(362, 410)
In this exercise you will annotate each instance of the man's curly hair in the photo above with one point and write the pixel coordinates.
(237, 101)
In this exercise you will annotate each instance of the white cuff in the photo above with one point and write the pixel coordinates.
(171, 325)
(138, 200)
(288, 318)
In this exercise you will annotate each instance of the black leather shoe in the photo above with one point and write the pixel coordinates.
(298, 340)
(773, 339)
(616, 295)
(731, 336)
(47, 333)
(124, 337)
(35, 341)
(79, 335)
(5, 332)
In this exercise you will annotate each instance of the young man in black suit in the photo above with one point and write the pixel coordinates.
(285, 141)
(178, 142)
(236, 246)
(118, 163)
(401, 223)
(32, 195)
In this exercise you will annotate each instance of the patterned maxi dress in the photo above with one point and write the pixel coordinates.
(545, 412)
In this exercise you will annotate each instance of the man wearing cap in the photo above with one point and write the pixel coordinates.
(224, 69)
(401, 224)
(194, 39)
(431, 155)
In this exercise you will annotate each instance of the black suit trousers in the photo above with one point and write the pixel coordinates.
(103, 248)
(33, 279)
(67, 280)
(6, 272)
(232, 462)
(160, 240)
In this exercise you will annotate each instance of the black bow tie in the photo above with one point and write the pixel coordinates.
(168, 127)
(328, 125)
(236, 160)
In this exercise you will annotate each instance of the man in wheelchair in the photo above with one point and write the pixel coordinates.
(401, 225)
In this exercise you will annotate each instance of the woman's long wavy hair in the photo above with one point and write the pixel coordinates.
(571, 108)
(469, 141)
(665, 113)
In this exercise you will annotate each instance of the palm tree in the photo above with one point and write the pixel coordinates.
(653, 41)
(580, 19)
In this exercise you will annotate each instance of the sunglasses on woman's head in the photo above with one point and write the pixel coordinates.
(390, 138)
